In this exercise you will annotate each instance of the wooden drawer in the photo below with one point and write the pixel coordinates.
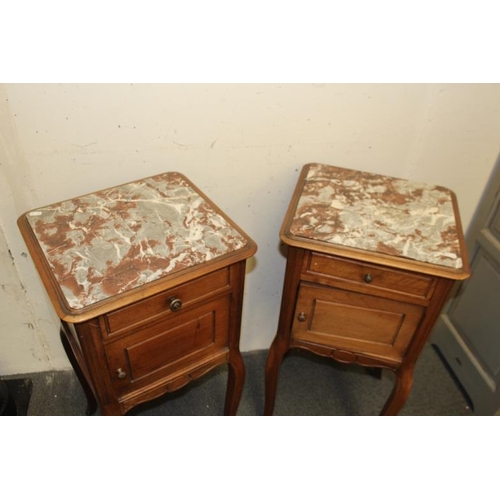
(146, 310)
(354, 321)
(169, 348)
(368, 277)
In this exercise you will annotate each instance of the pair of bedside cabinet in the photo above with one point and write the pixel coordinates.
(148, 280)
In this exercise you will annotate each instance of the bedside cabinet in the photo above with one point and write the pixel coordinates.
(147, 279)
(371, 260)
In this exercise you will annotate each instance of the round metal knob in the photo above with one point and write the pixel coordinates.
(121, 374)
(368, 278)
(302, 316)
(175, 304)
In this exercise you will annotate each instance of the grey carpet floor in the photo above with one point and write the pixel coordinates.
(308, 385)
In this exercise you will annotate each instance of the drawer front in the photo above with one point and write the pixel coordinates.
(370, 277)
(189, 293)
(355, 322)
(169, 347)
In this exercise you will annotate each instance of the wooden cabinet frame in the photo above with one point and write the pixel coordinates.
(351, 304)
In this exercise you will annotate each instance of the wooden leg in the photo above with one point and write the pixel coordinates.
(401, 391)
(275, 357)
(235, 381)
(91, 401)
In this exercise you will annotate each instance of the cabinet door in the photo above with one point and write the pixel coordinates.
(467, 333)
(354, 321)
(169, 348)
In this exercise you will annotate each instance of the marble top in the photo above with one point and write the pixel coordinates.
(378, 213)
(106, 243)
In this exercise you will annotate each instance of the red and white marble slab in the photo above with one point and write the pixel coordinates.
(111, 241)
(378, 213)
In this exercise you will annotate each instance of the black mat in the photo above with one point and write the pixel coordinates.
(16, 395)
(308, 385)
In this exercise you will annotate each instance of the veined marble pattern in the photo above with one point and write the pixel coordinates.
(112, 241)
(377, 213)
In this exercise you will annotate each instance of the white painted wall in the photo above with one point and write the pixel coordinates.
(243, 145)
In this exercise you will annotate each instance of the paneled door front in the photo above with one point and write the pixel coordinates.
(468, 332)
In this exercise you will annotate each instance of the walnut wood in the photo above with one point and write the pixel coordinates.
(133, 347)
(168, 351)
(355, 322)
(236, 375)
(281, 342)
(331, 308)
(180, 277)
(74, 355)
(390, 261)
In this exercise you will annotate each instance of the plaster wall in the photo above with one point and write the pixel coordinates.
(242, 144)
